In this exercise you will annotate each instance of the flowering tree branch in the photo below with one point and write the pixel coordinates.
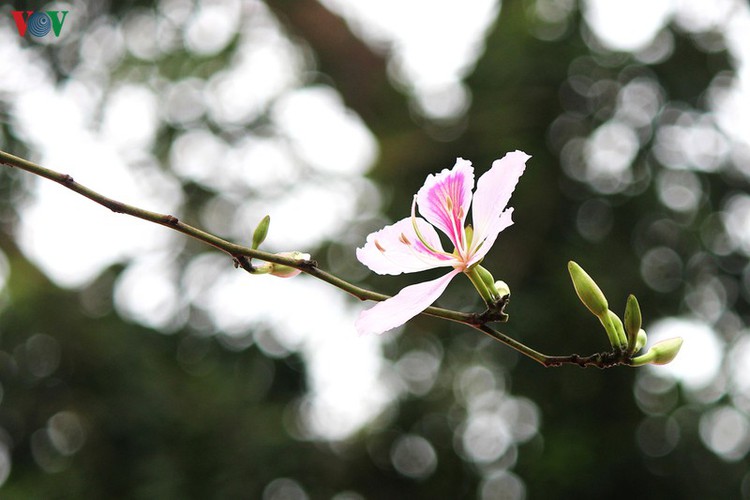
(243, 256)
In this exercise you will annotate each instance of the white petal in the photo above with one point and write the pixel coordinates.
(493, 193)
(396, 249)
(403, 306)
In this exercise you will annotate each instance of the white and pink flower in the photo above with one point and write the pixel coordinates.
(412, 244)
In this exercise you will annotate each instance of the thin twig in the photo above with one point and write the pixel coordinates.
(239, 253)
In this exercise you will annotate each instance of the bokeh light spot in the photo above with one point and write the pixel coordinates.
(502, 485)
(661, 269)
(680, 191)
(700, 357)
(413, 456)
(726, 432)
(66, 432)
(609, 153)
(331, 138)
(284, 489)
(485, 437)
(627, 25)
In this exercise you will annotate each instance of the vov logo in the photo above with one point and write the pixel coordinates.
(39, 23)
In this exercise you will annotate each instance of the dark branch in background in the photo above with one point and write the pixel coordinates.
(243, 255)
(361, 78)
(360, 74)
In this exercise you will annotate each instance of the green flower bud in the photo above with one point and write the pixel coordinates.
(502, 288)
(632, 321)
(260, 233)
(588, 291)
(660, 353)
(483, 282)
(640, 341)
(488, 281)
(613, 326)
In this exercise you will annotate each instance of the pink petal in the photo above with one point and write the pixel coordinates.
(493, 194)
(445, 198)
(396, 249)
(400, 308)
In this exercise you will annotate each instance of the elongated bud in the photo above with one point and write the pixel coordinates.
(483, 282)
(260, 233)
(615, 333)
(660, 353)
(488, 281)
(632, 321)
(588, 291)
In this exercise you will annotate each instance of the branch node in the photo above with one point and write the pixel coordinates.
(309, 264)
(241, 261)
(171, 220)
(115, 206)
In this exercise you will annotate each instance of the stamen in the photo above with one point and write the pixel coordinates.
(403, 239)
(379, 247)
(416, 228)
(449, 203)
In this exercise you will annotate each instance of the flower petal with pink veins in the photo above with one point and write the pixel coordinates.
(396, 249)
(445, 198)
(492, 195)
(403, 306)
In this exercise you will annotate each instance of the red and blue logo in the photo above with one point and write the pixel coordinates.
(39, 23)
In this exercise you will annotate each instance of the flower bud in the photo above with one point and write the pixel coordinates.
(488, 280)
(283, 271)
(502, 288)
(260, 233)
(660, 353)
(632, 321)
(588, 291)
(613, 326)
(640, 341)
(483, 281)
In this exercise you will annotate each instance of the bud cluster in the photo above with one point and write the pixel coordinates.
(625, 335)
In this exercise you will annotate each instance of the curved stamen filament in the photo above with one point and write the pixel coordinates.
(419, 255)
(422, 239)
